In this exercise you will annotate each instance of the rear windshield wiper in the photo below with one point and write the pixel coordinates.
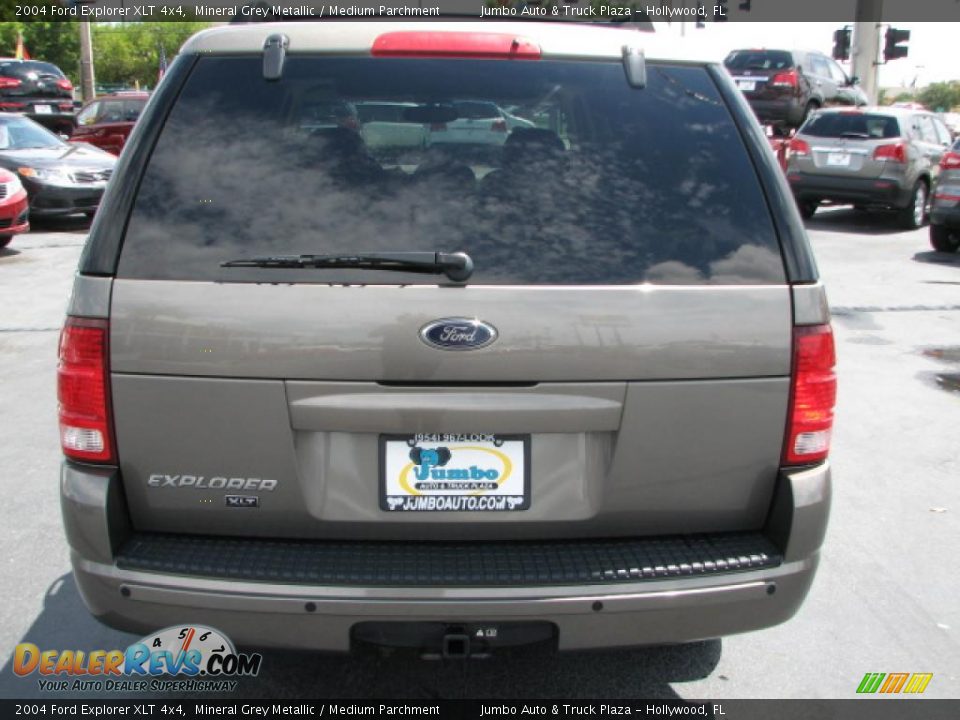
(456, 266)
(858, 135)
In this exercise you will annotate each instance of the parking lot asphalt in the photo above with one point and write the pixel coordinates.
(885, 598)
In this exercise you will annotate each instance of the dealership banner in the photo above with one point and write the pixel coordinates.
(480, 709)
(615, 11)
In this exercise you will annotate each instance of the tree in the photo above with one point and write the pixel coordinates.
(129, 53)
(941, 96)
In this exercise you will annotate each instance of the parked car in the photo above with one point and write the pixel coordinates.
(784, 86)
(60, 178)
(312, 402)
(13, 207)
(878, 157)
(945, 211)
(107, 121)
(478, 122)
(39, 90)
(385, 126)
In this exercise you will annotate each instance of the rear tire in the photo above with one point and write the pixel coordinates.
(914, 215)
(941, 238)
(811, 107)
(807, 208)
(5, 240)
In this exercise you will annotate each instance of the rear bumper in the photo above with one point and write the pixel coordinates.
(887, 192)
(320, 616)
(942, 214)
(788, 110)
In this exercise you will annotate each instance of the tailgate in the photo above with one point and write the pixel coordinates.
(648, 412)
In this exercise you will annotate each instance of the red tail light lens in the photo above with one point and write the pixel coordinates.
(813, 395)
(894, 152)
(64, 84)
(83, 391)
(799, 147)
(499, 126)
(786, 79)
(6, 82)
(950, 161)
(434, 43)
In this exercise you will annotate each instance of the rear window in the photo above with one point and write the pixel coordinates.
(25, 68)
(586, 181)
(852, 125)
(759, 60)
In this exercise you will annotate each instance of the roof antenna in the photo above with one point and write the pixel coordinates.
(274, 53)
(635, 66)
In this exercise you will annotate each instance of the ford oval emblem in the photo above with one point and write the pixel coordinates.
(458, 334)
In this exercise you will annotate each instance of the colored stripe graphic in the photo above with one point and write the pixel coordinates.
(918, 683)
(870, 682)
(893, 683)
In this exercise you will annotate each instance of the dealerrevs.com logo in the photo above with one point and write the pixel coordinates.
(183, 658)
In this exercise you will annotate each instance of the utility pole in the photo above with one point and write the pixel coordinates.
(86, 63)
(866, 46)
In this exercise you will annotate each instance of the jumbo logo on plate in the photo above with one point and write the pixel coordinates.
(458, 334)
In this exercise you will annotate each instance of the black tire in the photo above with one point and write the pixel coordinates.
(811, 107)
(942, 239)
(5, 240)
(914, 215)
(807, 208)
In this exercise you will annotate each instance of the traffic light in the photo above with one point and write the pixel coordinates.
(841, 43)
(720, 11)
(892, 49)
(700, 15)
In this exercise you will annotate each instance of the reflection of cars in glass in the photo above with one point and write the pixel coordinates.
(477, 123)
(385, 125)
(108, 120)
(13, 207)
(784, 86)
(945, 211)
(38, 89)
(349, 399)
(872, 158)
(60, 177)
(325, 114)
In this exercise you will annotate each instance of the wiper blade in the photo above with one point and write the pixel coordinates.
(858, 135)
(456, 266)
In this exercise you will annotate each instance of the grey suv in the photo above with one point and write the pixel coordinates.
(317, 393)
(872, 158)
(784, 86)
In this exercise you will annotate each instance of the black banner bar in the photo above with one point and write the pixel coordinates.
(860, 709)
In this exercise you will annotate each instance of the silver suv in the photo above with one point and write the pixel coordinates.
(575, 388)
(878, 157)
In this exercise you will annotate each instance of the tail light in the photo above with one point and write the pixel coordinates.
(66, 106)
(894, 152)
(950, 161)
(812, 397)
(432, 43)
(6, 82)
(83, 391)
(64, 84)
(786, 79)
(799, 147)
(438, 127)
(499, 126)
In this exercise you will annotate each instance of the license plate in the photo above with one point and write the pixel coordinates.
(841, 159)
(42, 109)
(747, 85)
(454, 472)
